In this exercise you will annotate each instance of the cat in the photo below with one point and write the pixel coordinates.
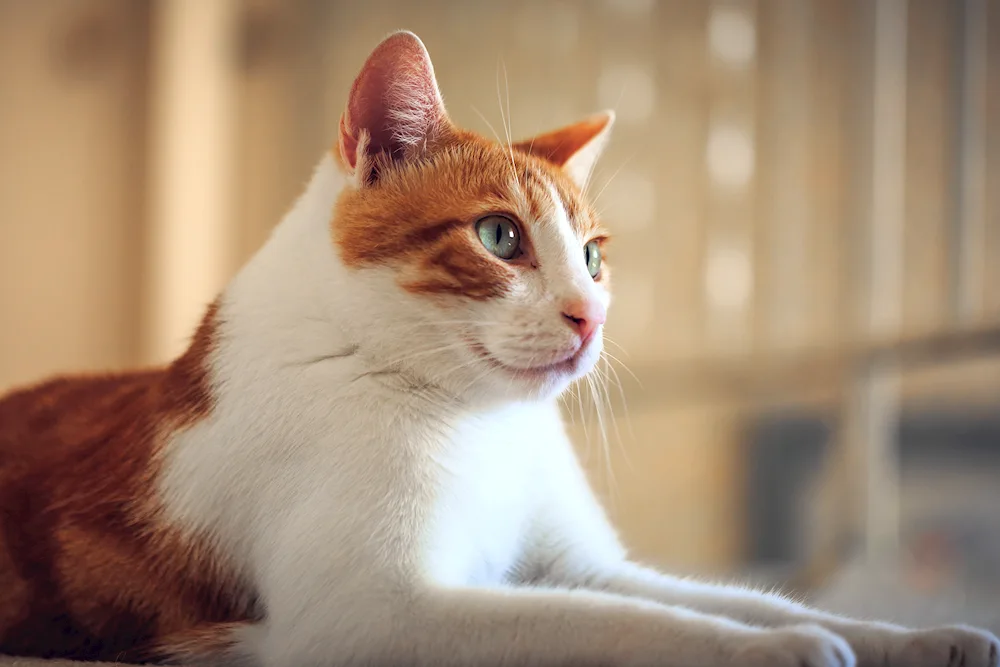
(359, 460)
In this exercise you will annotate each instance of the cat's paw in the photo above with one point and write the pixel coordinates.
(953, 646)
(797, 646)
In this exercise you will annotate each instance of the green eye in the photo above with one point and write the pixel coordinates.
(500, 236)
(592, 256)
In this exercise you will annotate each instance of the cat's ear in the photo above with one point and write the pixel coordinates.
(575, 147)
(394, 109)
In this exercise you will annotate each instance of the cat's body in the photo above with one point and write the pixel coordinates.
(360, 459)
(87, 567)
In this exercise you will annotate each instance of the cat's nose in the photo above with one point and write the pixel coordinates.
(584, 316)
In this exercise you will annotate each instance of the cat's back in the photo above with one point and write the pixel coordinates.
(55, 422)
(103, 418)
(72, 439)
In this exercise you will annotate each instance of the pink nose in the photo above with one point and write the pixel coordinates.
(585, 316)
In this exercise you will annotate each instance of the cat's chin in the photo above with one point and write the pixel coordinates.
(549, 378)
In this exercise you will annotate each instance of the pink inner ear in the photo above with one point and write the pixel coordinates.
(395, 99)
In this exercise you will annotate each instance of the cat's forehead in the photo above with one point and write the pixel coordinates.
(474, 176)
(546, 188)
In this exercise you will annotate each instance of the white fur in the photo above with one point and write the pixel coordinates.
(395, 500)
(412, 113)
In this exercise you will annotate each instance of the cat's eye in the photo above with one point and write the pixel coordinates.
(592, 256)
(500, 236)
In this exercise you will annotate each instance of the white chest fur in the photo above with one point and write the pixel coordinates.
(491, 484)
(451, 494)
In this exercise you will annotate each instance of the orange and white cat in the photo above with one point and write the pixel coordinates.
(360, 461)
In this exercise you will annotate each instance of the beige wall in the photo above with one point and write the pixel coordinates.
(72, 85)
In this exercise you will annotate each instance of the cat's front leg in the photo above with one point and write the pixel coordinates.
(524, 627)
(875, 644)
(575, 547)
(545, 627)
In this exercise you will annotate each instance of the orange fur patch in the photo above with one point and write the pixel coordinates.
(420, 216)
(88, 568)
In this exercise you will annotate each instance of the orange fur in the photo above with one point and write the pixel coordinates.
(87, 567)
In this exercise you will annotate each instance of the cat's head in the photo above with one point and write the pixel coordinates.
(489, 257)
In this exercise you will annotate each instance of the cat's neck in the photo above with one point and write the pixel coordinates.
(283, 304)
(295, 305)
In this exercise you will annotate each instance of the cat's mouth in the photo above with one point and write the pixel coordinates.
(569, 365)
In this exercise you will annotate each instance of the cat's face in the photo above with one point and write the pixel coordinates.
(499, 284)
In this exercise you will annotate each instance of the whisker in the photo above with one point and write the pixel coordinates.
(599, 414)
(583, 418)
(505, 120)
(611, 373)
(609, 181)
(423, 352)
(489, 125)
(433, 323)
(590, 174)
(621, 389)
(623, 365)
(602, 375)
(510, 120)
(616, 344)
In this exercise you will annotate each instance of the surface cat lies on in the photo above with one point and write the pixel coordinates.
(359, 460)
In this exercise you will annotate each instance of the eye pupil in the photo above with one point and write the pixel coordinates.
(592, 258)
(499, 235)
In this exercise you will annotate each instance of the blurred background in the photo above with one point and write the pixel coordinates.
(806, 201)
